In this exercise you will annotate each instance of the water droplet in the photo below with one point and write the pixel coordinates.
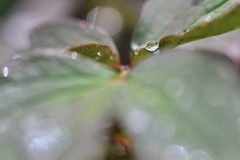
(134, 46)
(16, 111)
(151, 46)
(45, 147)
(16, 56)
(208, 18)
(186, 30)
(163, 130)
(215, 94)
(174, 152)
(46, 141)
(199, 155)
(99, 54)
(74, 55)
(5, 71)
(138, 121)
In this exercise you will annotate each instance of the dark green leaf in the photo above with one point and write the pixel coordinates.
(222, 20)
(98, 52)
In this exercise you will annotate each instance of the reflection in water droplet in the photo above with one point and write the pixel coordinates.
(74, 55)
(216, 94)
(208, 18)
(199, 155)
(138, 121)
(163, 130)
(99, 53)
(16, 111)
(151, 46)
(5, 71)
(174, 152)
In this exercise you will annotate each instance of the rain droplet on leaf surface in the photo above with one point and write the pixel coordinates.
(151, 46)
(208, 18)
(5, 71)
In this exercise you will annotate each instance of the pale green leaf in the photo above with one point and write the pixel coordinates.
(182, 102)
(50, 103)
(67, 34)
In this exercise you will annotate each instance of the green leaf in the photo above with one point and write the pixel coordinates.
(182, 102)
(221, 20)
(185, 21)
(98, 52)
(67, 34)
(53, 101)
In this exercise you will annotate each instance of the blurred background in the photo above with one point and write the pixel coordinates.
(19, 17)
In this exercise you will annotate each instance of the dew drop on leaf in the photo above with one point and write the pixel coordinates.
(208, 18)
(74, 55)
(151, 46)
(5, 71)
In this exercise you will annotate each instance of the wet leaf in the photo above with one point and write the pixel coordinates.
(185, 21)
(97, 52)
(67, 34)
(50, 103)
(182, 102)
(139, 55)
(219, 21)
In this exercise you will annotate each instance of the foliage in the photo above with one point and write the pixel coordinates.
(69, 90)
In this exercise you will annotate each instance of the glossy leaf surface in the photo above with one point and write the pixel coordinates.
(47, 101)
(181, 18)
(97, 52)
(180, 105)
(67, 34)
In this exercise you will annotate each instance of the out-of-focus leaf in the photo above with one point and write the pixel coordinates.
(228, 44)
(98, 52)
(183, 104)
(46, 103)
(185, 19)
(64, 35)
